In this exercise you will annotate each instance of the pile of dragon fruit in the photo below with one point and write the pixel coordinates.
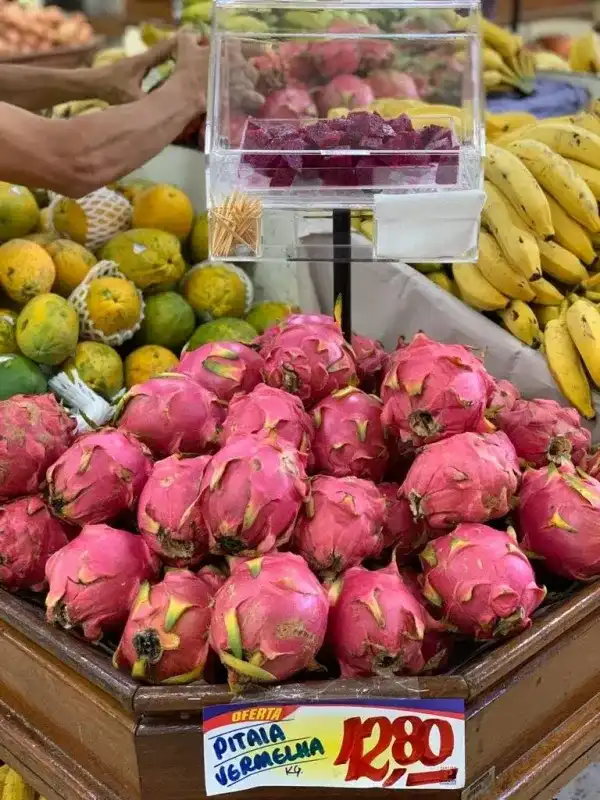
(291, 151)
(299, 504)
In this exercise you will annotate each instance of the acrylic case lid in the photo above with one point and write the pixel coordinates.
(346, 106)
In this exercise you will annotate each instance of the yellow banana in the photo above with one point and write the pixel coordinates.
(584, 120)
(546, 293)
(498, 271)
(475, 290)
(559, 179)
(550, 62)
(493, 79)
(590, 175)
(565, 365)
(366, 228)
(518, 246)
(583, 321)
(491, 59)
(545, 314)
(594, 297)
(508, 173)
(499, 125)
(568, 141)
(584, 55)
(520, 320)
(499, 39)
(15, 788)
(444, 281)
(592, 283)
(561, 265)
(426, 268)
(514, 135)
(4, 770)
(570, 234)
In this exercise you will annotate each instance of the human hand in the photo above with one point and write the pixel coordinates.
(239, 78)
(121, 82)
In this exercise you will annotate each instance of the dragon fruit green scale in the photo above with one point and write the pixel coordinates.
(481, 581)
(251, 494)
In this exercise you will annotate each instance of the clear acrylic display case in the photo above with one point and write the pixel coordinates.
(372, 106)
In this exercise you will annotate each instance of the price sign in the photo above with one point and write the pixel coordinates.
(378, 744)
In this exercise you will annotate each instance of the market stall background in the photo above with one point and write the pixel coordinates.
(571, 617)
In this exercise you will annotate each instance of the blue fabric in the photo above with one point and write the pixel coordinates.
(551, 99)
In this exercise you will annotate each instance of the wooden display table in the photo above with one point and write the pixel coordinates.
(78, 730)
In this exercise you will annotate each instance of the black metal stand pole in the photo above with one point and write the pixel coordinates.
(516, 15)
(342, 267)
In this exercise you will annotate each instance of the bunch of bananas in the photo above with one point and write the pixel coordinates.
(507, 63)
(537, 249)
(584, 55)
(13, 787)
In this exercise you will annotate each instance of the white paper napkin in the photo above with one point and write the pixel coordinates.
(433, 226)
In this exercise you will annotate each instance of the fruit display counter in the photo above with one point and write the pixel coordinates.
(78, 730)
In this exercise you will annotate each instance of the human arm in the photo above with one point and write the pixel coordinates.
(35, 88)
(78, 155)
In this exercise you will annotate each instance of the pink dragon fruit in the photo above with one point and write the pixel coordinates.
(590, 462)
(99, 477)
(291, 103)
(251, 495)
(342, 525)
(336, 57)
(269, 620)
(297, 63)
(371, 362)
(95, 578)
(481, 581)
(503, 398)
(29, 535)
(374, 53)
(224, 368)
(400, 530)
(543, 431)
(376, 627)
(433, 391)
(311, 362)
(349, 437)
(269, 337)
(437, 643)
(34, 432)
(392, 83)
(271, 75)
(344, 91)
(166, 636)
(273, 413)
(559, 520)
(168, 513)
(469, 478)
(173, 414)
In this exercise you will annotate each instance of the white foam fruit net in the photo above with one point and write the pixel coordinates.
(78, 300)
(107, 212)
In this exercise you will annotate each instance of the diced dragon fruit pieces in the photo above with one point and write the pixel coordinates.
(390, 145)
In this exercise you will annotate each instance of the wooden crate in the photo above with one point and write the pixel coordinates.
(79, 730)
